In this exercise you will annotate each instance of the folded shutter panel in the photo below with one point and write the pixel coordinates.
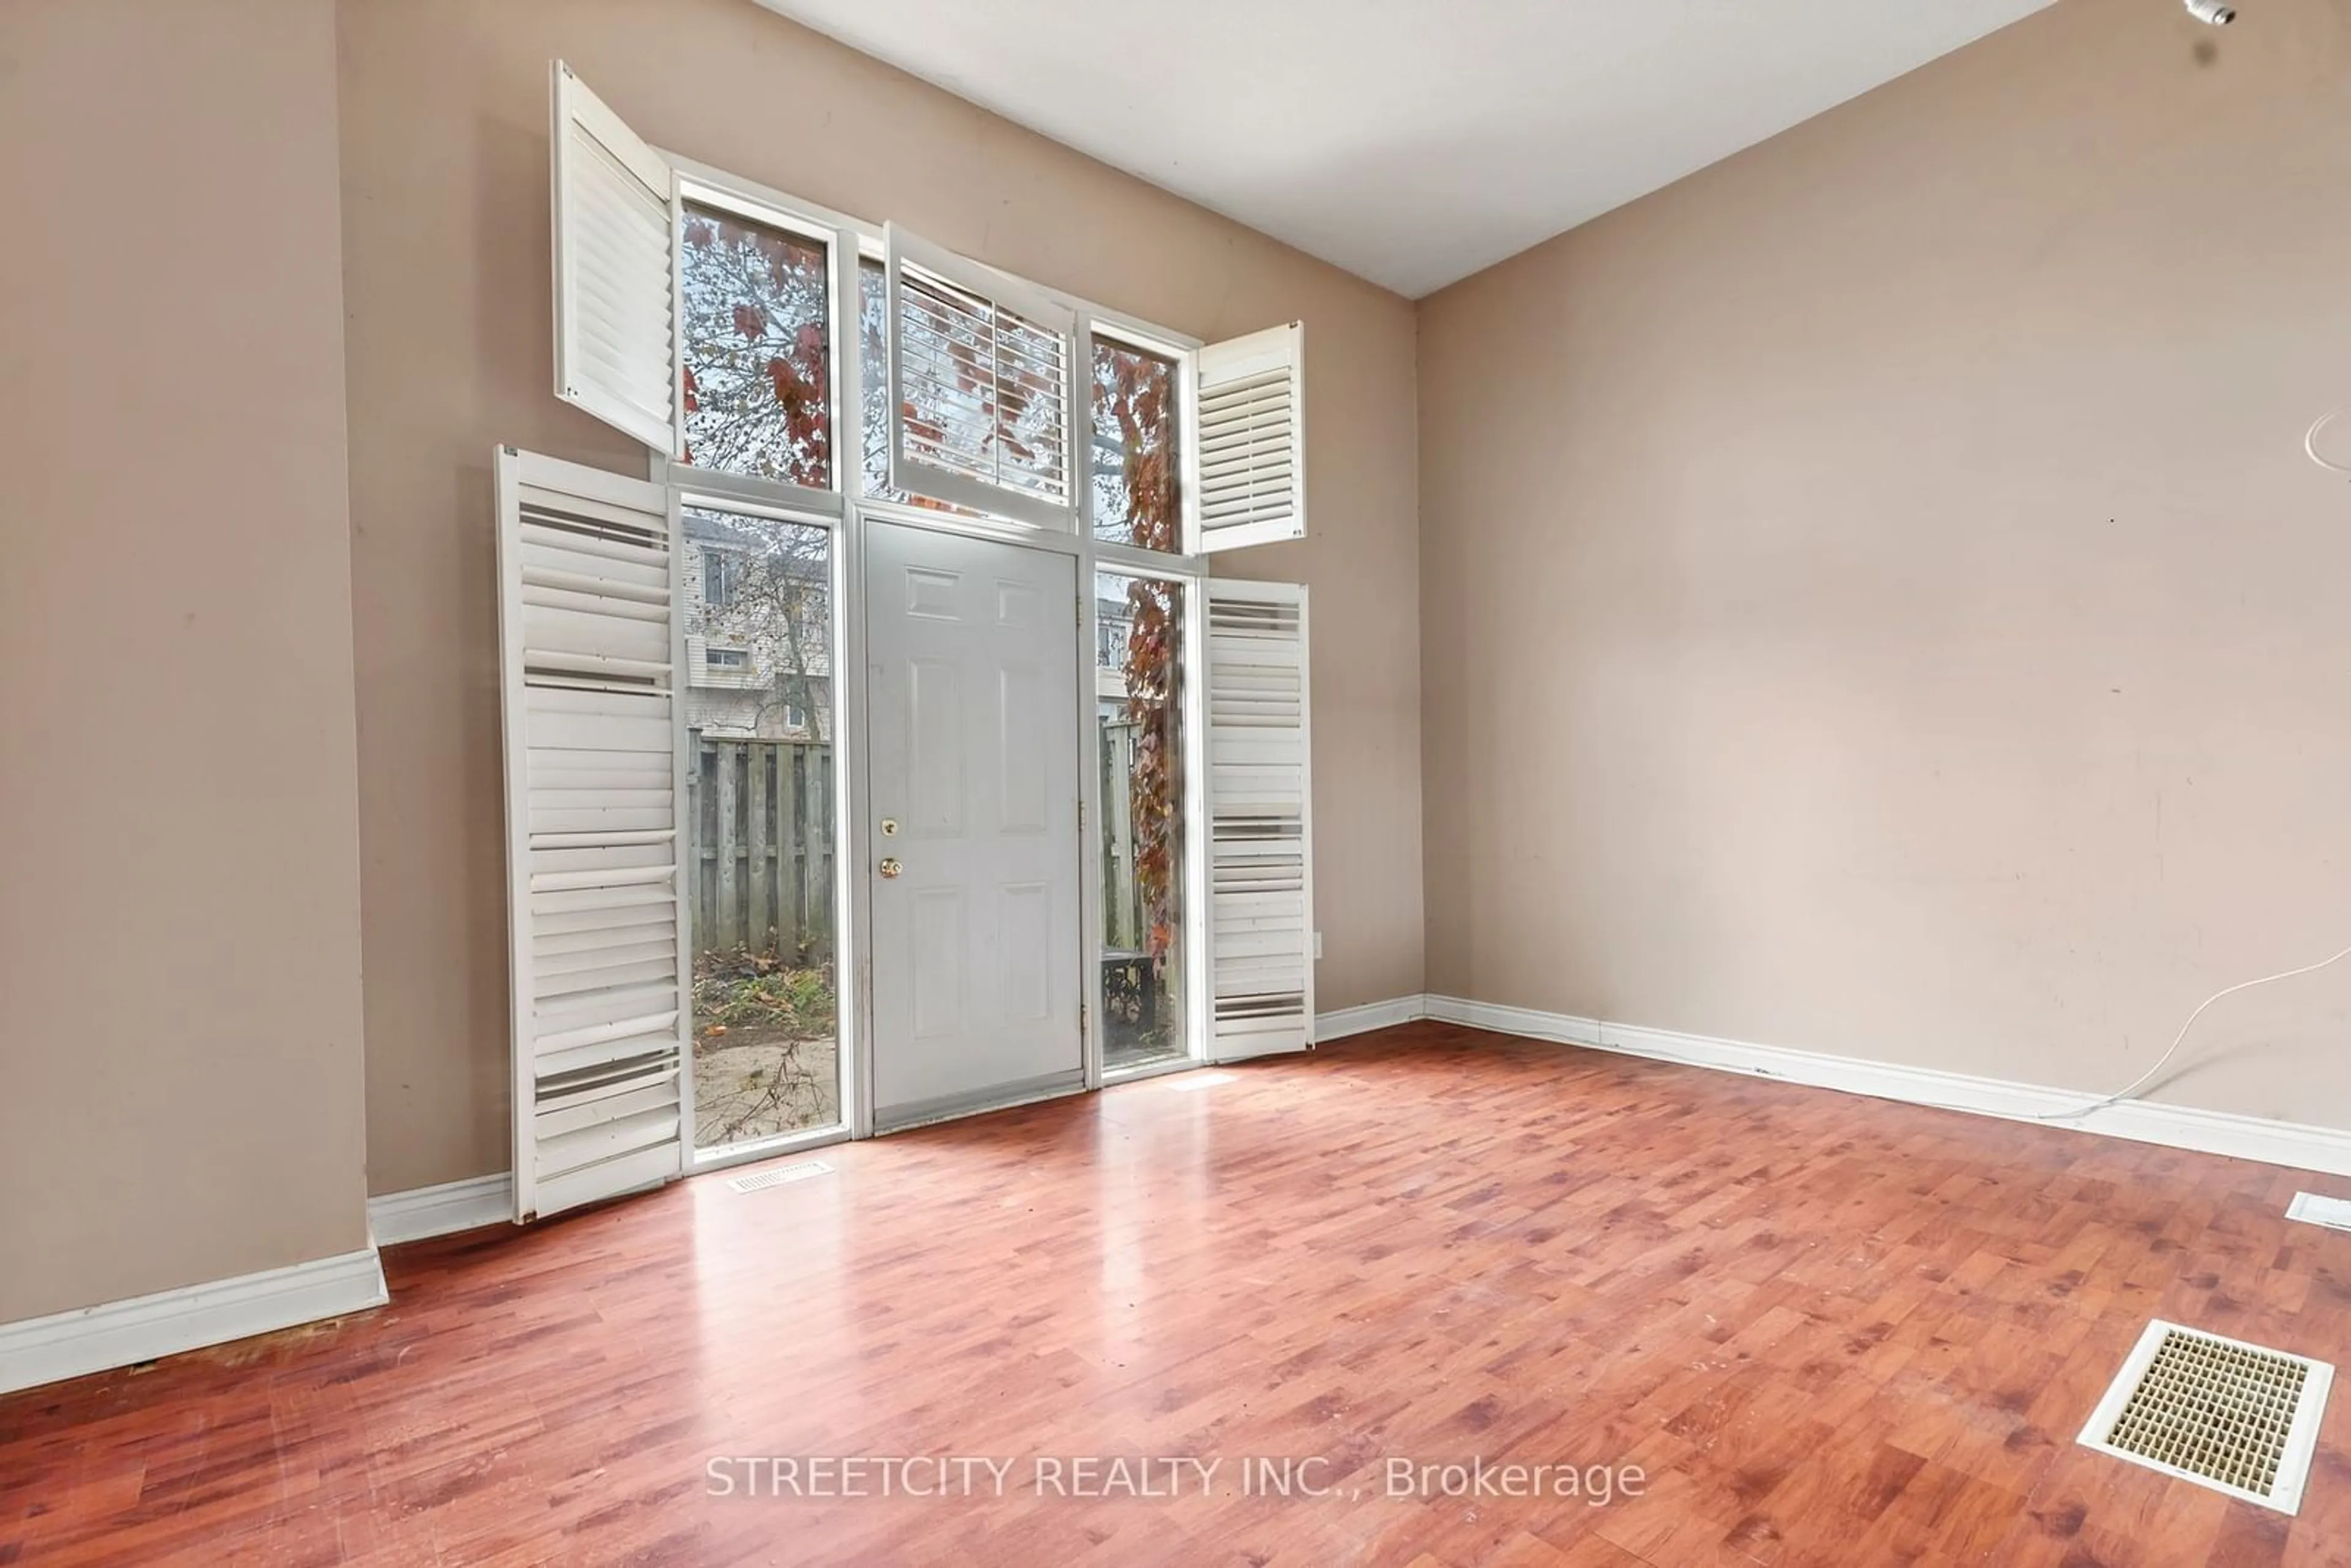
(615, 256)
(981, 372)
(1260, 842)
(601, 1017)
(1251, 439)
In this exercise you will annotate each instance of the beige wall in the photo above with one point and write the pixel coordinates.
(444, 164)
(179, 1023)
(1873, 599)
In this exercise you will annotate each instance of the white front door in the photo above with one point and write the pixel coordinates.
(972, 657)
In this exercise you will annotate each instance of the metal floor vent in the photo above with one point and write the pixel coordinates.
(798, 1170)
(2240, 1418)
(2335, 1213)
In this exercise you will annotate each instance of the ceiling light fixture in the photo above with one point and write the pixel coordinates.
(2212, 11)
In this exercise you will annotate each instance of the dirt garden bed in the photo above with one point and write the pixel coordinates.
(766, 1047)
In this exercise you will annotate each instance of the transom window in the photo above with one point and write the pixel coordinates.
(757, 381)
(698, 312)
(1134, 456)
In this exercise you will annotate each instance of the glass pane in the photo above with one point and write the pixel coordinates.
(1135, 448)
(873, 352)
(759, 624)
(759, 355)
(1137, 669)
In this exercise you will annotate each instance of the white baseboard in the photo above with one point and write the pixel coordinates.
(453, 1206)
(489, 1200)
(121, 1334)
(1362, 1019)
(2176, 1127)
(428, 1212)
(1564, 1028)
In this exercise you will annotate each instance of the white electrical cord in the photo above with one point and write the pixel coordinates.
(2143, 1079)
(2310, 447)
(2310, 442)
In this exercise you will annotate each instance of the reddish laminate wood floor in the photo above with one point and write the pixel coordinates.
(1830, 1331)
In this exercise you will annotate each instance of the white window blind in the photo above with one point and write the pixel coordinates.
(1250, 394)
(981, 371)
(1260, 840)
(615, 260)
(597, 945)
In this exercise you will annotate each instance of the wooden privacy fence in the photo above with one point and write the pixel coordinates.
(763, 858)
(763, 855)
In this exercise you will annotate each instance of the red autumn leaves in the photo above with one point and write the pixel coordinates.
(758, 376)
(1138, 392)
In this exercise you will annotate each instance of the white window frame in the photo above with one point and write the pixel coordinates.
(845, 507)
(1183, 352)
(698, 185)
(687, 492)
(851, 240)
(715, 559)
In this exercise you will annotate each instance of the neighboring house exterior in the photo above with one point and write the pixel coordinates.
(1114, 620)
(759, 629)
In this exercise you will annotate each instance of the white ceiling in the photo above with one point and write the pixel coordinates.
(1411, 141)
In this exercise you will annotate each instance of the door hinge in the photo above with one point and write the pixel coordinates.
(1081, 813)
(1084, 1013)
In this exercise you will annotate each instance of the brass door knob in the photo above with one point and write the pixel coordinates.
(890, 867)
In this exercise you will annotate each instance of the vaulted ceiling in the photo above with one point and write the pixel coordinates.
(1411, 141)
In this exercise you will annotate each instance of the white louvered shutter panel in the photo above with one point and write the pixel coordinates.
(1251, 439)
(981, 372)
(600, 1016)
(615, 310)
(1261, 838)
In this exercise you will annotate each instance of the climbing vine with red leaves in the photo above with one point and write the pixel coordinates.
(1135, 399)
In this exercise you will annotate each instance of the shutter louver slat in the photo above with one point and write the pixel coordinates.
(615, 216)
(624, 1054)
(1260, 851)
(601, 1017)
(1250, 439)
(609, 1103)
